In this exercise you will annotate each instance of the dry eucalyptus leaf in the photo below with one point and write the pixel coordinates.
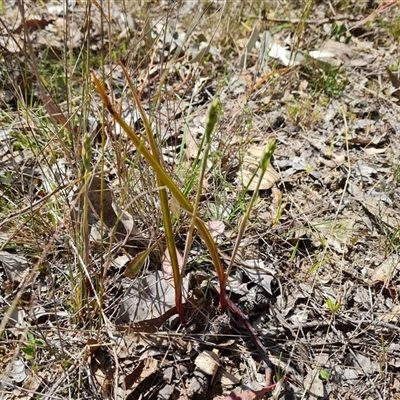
(387, 269)
(392, 315)
(250, 164)
(192, 146)
(393, 78)
(314, 385)
(337, 233)
(17, 319)
(127, 222)
(259, 276)
(144, 369)
(277, 197)
(18, 371)
(198, 51)
(15, 266)
(149, 297)
(121, 261)
(215, 228)
(363, 364)
(102, 201)
(250, 44)
(342, 53)
(373, 150)
(208, 362)
(375, 206)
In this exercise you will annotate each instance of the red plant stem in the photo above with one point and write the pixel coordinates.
(246, 322)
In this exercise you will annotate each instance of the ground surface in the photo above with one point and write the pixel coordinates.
(315, 286)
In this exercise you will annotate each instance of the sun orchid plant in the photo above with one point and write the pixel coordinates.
(165, 182)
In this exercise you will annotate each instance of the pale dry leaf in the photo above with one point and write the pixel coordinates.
(251, 394)
(277, 196)
(260, 277)
(31, 386)
(319, 55)
(208, 362)
(13, 46)
(100, 376)
(285, 56)
(198, 51)
(150, 366)
(392, 315)
(149, 297)
(215, 228)
(43, 316)
(241, 83)
(265, 45)
(371, 151)
(299, 318)
(18, 371)
(5, 144)
(228, 380)
(250, 164)
(384, 271)
(393, 79)
(15, 266)
(395, 93)
(101, 203)
(340, 53)
(249, 45)
(192, 147)
(17, 320)
(144, 369)
(166, 266)
(363, 364)
(128, 222)
(314, 385)
(120, 261)
(337, 233)
(54, 110)
(375, 206)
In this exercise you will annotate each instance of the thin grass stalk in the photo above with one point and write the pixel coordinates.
(169, 183)
(85, 231)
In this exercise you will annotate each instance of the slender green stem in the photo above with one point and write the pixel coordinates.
(264, 162)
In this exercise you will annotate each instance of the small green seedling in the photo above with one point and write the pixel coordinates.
(324, 375)
(333, 306)
(31, 347)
